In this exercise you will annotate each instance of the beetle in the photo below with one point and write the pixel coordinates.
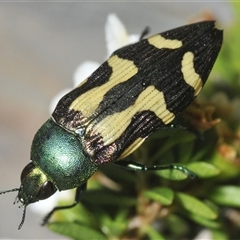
(141, 88)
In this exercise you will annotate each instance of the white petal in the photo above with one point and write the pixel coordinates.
(133, 38)
(45, 206)
(116, 34)
(83, 71)
(204, 234)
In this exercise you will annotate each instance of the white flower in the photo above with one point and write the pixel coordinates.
(116, 34)
(205, 234)
(44, 207)
(81, 73)
(116, 37)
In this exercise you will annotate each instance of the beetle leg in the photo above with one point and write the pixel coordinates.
(78, 196)
(135, 166)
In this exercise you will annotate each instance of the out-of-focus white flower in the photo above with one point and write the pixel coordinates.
(116, 37)
(81, 73)
(116, 34)
(205, 234)
(44, 207)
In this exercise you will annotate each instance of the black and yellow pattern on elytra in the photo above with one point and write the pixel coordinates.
(139, 89)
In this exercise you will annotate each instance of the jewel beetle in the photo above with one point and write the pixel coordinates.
(141, 88)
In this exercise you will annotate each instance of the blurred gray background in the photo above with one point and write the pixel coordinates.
(41, 44)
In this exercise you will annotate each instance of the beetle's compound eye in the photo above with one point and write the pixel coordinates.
(46, 190)
(27, 170)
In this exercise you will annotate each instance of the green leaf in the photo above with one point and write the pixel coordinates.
(185, 151)
(227, 65)
(172, 174)
(219, 234)
(195, 206)
(76, 231)
(163, 195)
(178, 226)
(114, 227)
(108, 198)
(178, 137)
(213, 224)
(79, 213)
(116, 173)
(227, 168)
(153, 234)
(226, 195)
(203, 169)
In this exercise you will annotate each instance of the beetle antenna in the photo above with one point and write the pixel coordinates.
(23, 217)
(145, 32)
(24, 209)
(11, 190)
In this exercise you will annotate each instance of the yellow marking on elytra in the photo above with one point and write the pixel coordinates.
(88, 102)
(160, 42)
(190, 76)
(111, 127)
(132, 147)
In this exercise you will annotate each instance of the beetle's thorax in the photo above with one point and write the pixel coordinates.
(60, 155)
